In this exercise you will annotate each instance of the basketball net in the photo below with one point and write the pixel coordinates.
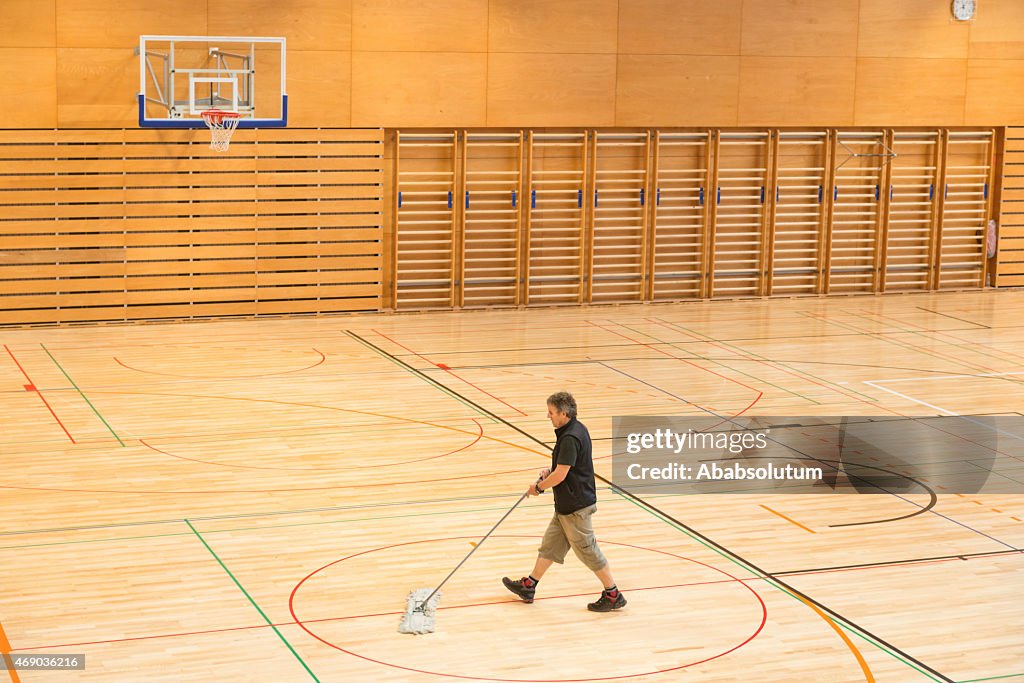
(221, 124)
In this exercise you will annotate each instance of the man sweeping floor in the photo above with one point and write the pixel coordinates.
(571, 478)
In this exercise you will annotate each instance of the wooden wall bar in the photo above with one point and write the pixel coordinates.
(663, 215)
(114, 225)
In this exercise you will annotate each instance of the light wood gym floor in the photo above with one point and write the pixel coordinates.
(253, 500)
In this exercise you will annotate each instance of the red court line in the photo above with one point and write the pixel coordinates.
(480, 434)
(670, 355)
(935, 354)
(495, 602)
(38, 393)
(449, 371)
(323, 358)
(770, 364)
(945, 334)
(362, 616)
(733, 579)
(760, 394)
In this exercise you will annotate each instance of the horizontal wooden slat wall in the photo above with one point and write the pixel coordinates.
(1010, 259)
(115, 225)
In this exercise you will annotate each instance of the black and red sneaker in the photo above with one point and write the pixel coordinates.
(524, 587)
(609, 600)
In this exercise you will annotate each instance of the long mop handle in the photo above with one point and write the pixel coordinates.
(475, 548)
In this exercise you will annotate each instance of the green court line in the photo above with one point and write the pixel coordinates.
(924, 333)
(253, 602)
(82, 395)
(720, 364)
(992, 678)
(659, 515)
(770, 580)
(764, 358)
(273, 526)
(269, 513)
(882, 337)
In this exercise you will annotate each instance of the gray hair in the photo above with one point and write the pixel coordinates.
(563, 402)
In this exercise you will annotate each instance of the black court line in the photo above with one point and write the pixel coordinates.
(682, 342)
(916, 560)
(795, 450)
(946, 315)
(713, 359)
(659, 513)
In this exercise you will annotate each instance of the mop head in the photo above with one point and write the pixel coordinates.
(419, 618)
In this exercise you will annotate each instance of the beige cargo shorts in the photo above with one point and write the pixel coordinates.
(573, 531)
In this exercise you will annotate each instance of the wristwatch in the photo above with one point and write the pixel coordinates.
(538, 489)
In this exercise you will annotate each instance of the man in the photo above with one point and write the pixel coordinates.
(571, 477)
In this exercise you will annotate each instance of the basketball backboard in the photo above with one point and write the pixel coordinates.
(180, 77)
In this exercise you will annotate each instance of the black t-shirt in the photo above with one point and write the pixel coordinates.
(574, 448)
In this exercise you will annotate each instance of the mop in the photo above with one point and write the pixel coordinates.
(421, 605)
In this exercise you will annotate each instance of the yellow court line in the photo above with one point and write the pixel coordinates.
(5, 651)
(868, 676)
(792, 521)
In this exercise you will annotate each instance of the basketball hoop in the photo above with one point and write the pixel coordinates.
(221, 124)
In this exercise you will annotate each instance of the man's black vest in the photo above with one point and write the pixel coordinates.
(577, 490)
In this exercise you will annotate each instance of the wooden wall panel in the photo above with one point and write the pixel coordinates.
(419, 25)
(658, 27)
(85, 79)
(28, 76)
(910, 92)
(665, 90)
(994, 88)
(804, 91)
(308, 24)
(550, 89)
(910, 28)
(522, 63)
(28, 23)
(323, 78)
(800, 28)
(87, 23)
(998, 31)
(418, 88)
(540, 26)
